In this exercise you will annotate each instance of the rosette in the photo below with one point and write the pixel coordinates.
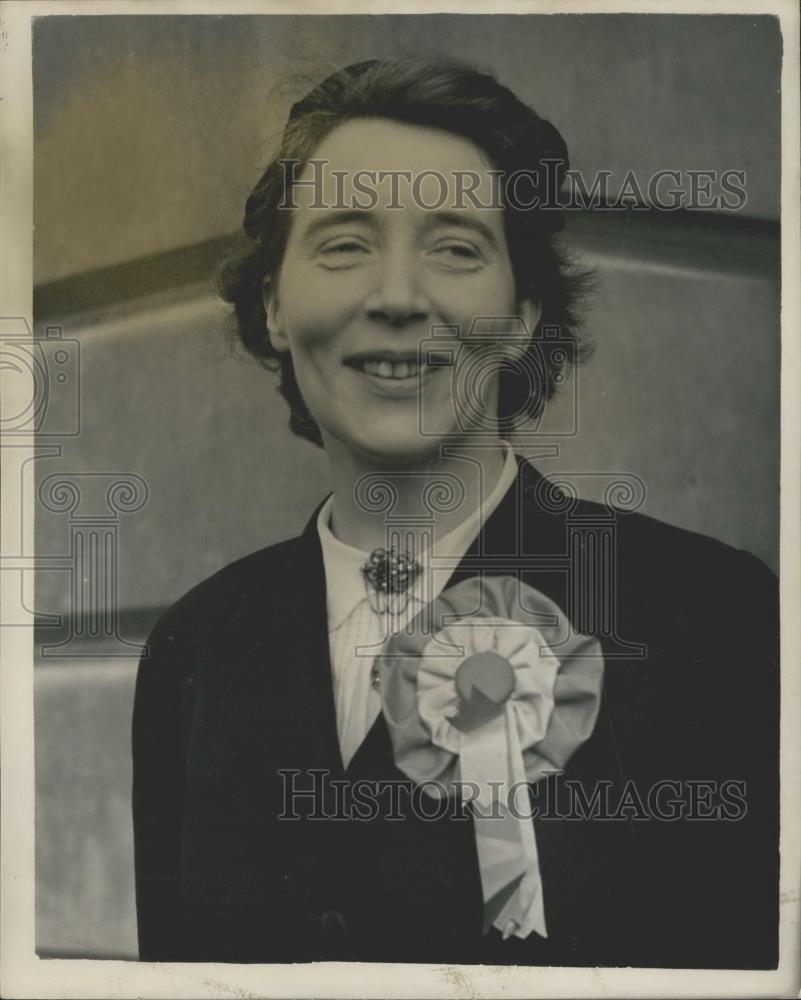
(488, 690)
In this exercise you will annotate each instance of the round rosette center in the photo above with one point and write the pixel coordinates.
(474, 669)
(484, 682)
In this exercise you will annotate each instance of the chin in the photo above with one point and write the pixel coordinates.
(399, 450)
(404, 454)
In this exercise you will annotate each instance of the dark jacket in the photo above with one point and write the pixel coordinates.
(234, 707)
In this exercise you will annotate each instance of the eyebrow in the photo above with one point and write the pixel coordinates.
(462, 221)
(333, 217)
(434, 217)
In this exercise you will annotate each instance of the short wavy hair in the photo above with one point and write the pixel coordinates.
(472, 105)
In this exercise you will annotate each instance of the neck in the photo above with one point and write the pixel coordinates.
(372, 493)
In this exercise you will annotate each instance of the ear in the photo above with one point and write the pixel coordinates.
(275, 330)
(530, 312)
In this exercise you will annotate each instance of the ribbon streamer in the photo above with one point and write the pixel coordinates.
(507, 850)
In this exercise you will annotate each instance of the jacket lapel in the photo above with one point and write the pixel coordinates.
(279, 694)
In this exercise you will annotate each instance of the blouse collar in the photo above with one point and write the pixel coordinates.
(345, 588)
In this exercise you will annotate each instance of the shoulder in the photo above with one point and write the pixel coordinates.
(700, 577)
(256, 578)
(683, 555)
(640, 545)
(692, 600)
(661, 577)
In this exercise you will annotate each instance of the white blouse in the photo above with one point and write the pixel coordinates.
(356, 633)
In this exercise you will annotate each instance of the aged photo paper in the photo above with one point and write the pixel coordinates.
(400, 499)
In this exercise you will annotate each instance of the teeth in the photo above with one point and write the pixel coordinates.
(389, 369)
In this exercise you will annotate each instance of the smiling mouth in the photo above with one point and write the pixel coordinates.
(393, 368)
(390, 369)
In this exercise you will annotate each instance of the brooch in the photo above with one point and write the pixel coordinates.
(388, 575)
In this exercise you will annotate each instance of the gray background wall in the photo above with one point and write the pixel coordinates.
(149, 133)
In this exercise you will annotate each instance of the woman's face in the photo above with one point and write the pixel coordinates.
(361, 288)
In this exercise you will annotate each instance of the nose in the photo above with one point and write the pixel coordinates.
(398, 297)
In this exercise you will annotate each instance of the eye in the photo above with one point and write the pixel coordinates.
(459, 254)
(341, 252)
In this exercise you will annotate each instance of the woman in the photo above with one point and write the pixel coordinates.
(318, 726)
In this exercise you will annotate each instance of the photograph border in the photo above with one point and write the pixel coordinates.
(22, 973)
